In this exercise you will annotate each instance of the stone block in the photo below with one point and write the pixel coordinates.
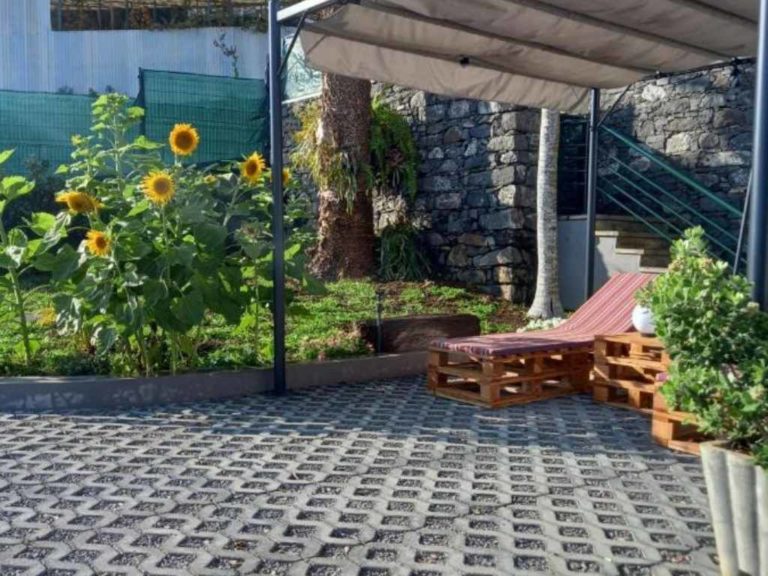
(437, 184)
(459, 109)
(459, 256)
(517, 196)
(502, 220)
(508, 255)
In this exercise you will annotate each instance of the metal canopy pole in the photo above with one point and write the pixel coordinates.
(278, 230)
(757, 250)
(303, 7)
(594, 125)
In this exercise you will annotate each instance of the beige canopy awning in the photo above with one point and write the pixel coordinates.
(541, 53)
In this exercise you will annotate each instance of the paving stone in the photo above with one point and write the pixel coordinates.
(377, 479)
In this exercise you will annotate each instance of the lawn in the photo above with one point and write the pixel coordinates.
(319, 327)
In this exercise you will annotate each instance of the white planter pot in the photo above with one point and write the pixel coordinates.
(738, 499)
(642, 320)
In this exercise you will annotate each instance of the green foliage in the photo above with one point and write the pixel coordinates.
(329, 168)
(718, 340)
(19, 248)
(393, 151)
(399, 255)
(393, 166)
(40, 199)
(169, 254)
(320, 326)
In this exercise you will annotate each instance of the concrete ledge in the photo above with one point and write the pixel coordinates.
(98, 392)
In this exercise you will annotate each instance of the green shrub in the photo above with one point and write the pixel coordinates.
(400, 257)
(166, 245)
(718, 341)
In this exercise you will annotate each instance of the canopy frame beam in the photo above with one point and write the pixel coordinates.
(306, 7)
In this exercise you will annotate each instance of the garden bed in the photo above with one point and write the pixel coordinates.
(320, 327)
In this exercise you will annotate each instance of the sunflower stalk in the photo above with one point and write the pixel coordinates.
(19, 302)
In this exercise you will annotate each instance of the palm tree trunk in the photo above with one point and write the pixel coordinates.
(346, 240)
(546, 303)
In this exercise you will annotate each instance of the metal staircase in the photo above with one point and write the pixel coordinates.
(656, 200)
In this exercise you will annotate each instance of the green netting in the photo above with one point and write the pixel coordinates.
(40, 126)
(229, 113)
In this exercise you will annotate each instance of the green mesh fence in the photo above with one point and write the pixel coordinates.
(229, 113)
(40, 127)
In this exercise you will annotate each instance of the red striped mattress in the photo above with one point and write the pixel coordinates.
(609, 311)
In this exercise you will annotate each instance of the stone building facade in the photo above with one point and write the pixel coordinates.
(477, 177)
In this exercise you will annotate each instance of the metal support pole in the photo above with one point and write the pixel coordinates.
(276, 160)
(594, 125)
(757, 250)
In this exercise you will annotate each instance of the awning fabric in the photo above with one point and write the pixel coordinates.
(540, 53)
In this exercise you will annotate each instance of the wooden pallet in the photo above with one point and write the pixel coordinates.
(674, 429)
(518, 379)
(625, 371)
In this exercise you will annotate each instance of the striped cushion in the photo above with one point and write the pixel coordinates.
(609, 311)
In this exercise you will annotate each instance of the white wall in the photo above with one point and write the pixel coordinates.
(35, 58)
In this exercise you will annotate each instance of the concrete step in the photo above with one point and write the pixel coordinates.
(654, 260)
(644, 240)
(619, 224)
(653, 269)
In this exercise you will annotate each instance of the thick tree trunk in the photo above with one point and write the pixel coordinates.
(547, 304)
(345, 247)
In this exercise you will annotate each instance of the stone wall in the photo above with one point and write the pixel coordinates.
(477, 195)
(476, 200)
(701, 122)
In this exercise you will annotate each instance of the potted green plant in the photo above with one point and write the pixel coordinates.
(717, 339)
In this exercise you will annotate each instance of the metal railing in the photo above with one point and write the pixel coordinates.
(639, 182)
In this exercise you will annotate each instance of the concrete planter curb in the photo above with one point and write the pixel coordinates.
(738, 498)
(94, 392)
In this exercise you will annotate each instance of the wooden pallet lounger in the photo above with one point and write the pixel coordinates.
(504, 369)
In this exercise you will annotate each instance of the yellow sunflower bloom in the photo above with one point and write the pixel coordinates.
(79, 202)
(98, 243)
(46, 317)
(184, 139)
(253, 168)
(287, 177)
(158, 187)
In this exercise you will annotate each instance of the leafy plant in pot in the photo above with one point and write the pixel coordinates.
(718, 341)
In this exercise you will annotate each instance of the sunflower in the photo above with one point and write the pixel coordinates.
(158, 187)
(79, 202)
(46, 317)
(253, 168)
(287, 177)
(98, 243)
(184, 139)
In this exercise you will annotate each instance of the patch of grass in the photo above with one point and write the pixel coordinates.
(319, 327)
